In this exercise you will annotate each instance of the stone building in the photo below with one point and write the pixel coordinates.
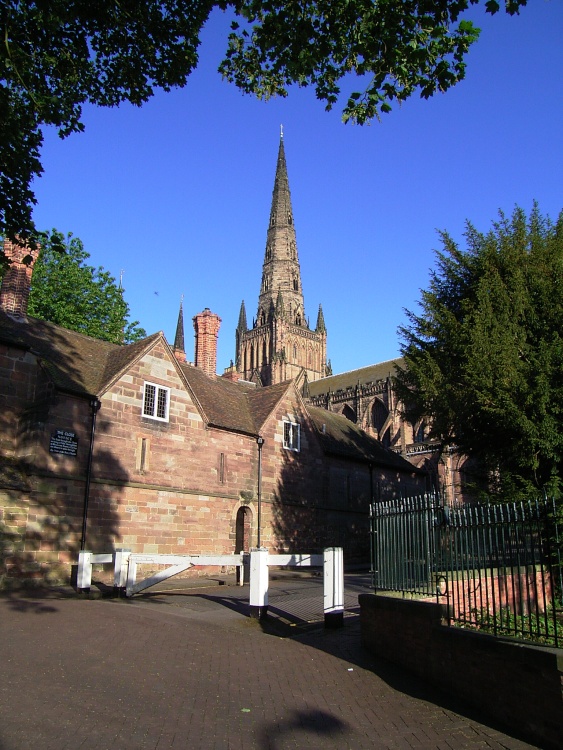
(366, 398)
(105, 446)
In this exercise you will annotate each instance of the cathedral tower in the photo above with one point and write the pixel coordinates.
(280, 345)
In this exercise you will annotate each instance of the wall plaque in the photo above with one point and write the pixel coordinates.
(63, 441)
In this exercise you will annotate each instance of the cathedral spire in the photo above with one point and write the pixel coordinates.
(242, 324)
(280, 345)
(281, 273)
(179, 348)
(320, 327)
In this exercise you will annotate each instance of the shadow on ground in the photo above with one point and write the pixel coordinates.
(343, 643)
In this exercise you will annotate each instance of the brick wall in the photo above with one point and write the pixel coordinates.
(516, 684)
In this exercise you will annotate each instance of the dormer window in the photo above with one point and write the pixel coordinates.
(156, 402)
(291, 436)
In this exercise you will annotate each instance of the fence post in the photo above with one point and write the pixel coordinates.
(333, 575)
(121, 559)
(243, 569)
(84, 574)
(258, 583)
(131, 576)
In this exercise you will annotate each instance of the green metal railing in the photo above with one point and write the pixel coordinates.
(497, 567)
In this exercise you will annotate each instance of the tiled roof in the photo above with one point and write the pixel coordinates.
(350, 379)
(224, 403)
(263, 401)
(76, 363)
(86, 366)
(240, 407)
(340, 437)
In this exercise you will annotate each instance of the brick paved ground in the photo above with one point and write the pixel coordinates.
(176, 671)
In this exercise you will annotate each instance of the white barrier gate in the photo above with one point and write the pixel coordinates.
(125, 573)
(178, 564)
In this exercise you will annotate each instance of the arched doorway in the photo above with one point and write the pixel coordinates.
(243, 529)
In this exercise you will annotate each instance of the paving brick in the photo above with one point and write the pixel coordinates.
(177, 670)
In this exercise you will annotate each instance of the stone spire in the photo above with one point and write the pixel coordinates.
(320, 327)
(242, 324)
(280, 345)
(179, 347)
(242, 328)
(280, 272)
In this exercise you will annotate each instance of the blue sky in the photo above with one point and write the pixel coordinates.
(177, 194)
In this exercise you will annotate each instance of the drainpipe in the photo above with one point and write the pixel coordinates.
(260, 443)
(94, 405)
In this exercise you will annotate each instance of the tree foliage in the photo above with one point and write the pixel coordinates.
(56, 55)
(484, 357)
(67, 291)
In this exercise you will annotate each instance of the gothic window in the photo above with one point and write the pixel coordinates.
(156, 400)
(289, 218)
(298, 319)
(419, 433)
(294, 353)
(264, 352)
(349, 413)
(291, 436)
(295, 285)
(379, 414)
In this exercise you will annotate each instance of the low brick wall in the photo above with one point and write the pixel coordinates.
(517, 684)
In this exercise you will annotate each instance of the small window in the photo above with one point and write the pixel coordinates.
(291, 435)
(156, 401)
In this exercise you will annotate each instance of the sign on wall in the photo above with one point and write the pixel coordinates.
(65, 442)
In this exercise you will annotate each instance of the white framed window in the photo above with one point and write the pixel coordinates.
(291, 436)
(156, 401)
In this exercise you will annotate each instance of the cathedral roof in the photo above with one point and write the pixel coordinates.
(340, 437)
(350, 379)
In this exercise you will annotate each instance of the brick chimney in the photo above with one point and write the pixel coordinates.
(206, 326)
(16, 284)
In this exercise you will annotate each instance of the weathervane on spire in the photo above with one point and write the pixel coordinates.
(281, 132)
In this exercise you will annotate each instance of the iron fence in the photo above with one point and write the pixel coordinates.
(497, 567)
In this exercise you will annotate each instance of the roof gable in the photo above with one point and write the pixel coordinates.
(75, 363)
